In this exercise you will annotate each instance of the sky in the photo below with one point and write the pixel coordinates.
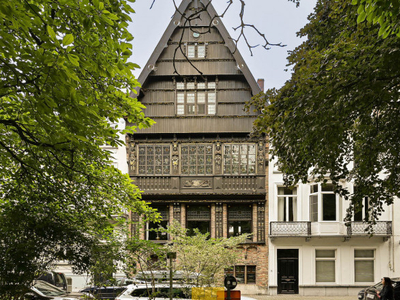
(279, 20)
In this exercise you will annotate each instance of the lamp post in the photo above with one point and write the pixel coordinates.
(171, 256)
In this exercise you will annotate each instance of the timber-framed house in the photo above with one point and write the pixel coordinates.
(198, 164)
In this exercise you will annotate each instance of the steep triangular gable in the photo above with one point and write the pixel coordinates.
(217, 23)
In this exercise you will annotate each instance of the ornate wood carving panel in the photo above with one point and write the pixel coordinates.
(177, 212)
(261, 222)
(219, 220)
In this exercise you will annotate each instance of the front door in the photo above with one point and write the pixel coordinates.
(288, 271)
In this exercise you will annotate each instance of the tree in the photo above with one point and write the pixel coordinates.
(386, 13)
(200, 260)
(202, 257)
(338, 116)
(64, 83)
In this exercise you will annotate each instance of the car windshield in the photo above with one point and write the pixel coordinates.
(48, 289)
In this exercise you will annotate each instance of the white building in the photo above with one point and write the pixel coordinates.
(313, 252)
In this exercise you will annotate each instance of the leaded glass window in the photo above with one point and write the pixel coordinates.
(154, 160)
(240, 159)
(197, 159)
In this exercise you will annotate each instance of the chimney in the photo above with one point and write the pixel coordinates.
(260, 83)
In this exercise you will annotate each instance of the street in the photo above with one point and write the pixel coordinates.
(299, 297)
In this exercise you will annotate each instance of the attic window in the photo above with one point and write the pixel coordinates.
(196, 98)
(196, 51)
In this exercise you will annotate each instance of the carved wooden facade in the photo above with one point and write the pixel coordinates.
(198, 162)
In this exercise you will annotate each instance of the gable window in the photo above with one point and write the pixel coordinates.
(325, 261)
(196, 98)
(197, 159)
(239, 219)
(240, 159)
(196, 51)
(154, 159)
(153, 232)
(364, 261)
(322, 196)
(198, 216)
(287, 204)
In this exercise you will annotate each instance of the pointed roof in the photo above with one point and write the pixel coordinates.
(217, 23)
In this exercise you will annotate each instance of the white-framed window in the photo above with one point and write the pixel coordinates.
(324, 204)
(287, 204)
(364, 265)
(363, 213)
(196, 98)
(196, 50)
(325, 265)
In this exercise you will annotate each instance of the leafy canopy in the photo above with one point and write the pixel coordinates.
(64, 83)
(338, 116)
(386, 13)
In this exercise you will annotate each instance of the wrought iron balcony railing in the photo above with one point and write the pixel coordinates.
(297, 228)
(381, 228)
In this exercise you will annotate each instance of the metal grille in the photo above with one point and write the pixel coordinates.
(380, 228)
(290, 228)
(242, 214)
(198, 215)
(164, 212)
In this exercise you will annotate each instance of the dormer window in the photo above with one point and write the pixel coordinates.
(196, 98)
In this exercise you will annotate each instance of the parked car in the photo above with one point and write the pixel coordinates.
(109, 292)
(161, 291)
(57, 279)
(42, 290)
(161, 276)
(370, 293)
(103, 292)
(127, 281)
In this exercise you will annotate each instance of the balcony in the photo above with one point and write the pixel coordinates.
(218, 184)
(381, 228)
(329, 229)
(290, 229)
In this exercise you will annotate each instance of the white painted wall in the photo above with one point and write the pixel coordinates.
(330, 235)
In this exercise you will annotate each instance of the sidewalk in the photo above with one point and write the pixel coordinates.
(299, 297)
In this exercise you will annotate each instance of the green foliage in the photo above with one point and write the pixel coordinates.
(338, 116)
(64, 80)
(201, 256)
(386, 13)
(200, 260)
